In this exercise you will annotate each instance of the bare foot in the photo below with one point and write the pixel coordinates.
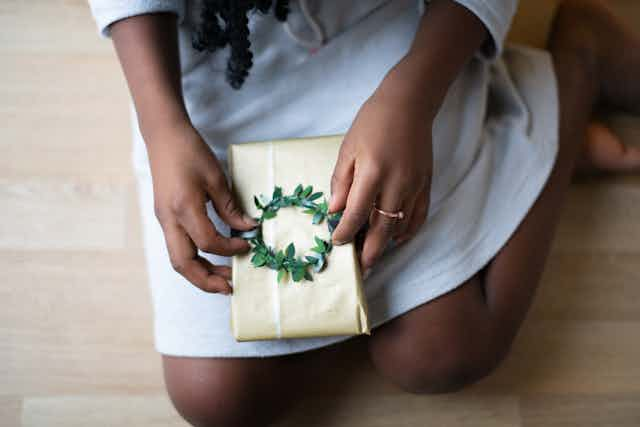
(604, 151)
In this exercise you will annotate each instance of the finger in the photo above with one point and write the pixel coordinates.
(198, 225)
(362, 194)
(407, 210)
(185, 260)
(223, 271)
(341, 180)
(418, 217)
(226, 205)
(382, 227)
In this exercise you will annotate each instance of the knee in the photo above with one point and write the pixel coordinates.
(442, 364)
(207, 395)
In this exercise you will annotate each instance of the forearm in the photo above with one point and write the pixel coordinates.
(447, 38)
(147, 47)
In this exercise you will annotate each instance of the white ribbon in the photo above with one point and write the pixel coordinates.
(272, 233)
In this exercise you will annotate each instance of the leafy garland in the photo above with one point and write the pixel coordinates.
(286, 262)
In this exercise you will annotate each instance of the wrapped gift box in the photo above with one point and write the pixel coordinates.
(332, 303)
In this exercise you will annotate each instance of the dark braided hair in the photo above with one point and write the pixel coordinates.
(225, 22)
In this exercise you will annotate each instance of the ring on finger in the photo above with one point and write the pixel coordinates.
(397, 215)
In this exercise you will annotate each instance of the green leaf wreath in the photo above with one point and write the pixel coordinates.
(285, 262)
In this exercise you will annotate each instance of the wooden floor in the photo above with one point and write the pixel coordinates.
(75, 319)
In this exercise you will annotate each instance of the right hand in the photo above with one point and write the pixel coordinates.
(186, 175)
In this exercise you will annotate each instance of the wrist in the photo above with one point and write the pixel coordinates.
(411, 82)
(161, 126)
(167, 134)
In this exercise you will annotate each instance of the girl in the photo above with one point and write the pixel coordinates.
(473, 143)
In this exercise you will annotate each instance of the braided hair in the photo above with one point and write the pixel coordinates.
(225, 22)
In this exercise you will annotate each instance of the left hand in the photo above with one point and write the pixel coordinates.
(385, 160)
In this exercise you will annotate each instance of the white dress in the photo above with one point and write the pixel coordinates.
(495, 140)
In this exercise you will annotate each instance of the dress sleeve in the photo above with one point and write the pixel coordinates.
(496, 15)
(106, 12)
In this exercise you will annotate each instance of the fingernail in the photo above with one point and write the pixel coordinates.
(249, 220)
(338, 242)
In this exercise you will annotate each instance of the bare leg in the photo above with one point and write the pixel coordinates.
(246, 392)
(460, 337)
(229, 392)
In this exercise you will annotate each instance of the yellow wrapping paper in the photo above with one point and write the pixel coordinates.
(261, 308)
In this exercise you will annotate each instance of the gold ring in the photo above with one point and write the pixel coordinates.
(394, 215)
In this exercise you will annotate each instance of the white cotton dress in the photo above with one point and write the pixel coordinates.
(495, 141)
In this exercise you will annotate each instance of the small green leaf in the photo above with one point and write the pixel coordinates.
(298, 190)
(324, 206)
(298, 274)
(319, 266)
(321, 243)
(315, 196)
(291, 250)
(307, 191)
(311, 259)
(282, 274)
(317, 250)
(277, 193)
(259, 260)
(257, 202)
(309, 211)
(268, 214)
(317, 218)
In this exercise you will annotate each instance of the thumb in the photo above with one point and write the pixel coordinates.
(227, 206)
(341, 181)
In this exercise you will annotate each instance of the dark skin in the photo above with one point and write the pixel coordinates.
(446, 343)
(186, 173)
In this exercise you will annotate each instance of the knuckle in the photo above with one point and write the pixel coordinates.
(181, 202)
(178, 265)
(160, 213)
(358, 217)
(230, 206)
(375, 170)
(212, 288)
(208, 244)
(218, 182)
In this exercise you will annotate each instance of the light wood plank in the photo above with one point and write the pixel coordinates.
(571, 357)
(41, 214)
(55, 125)
(408, 411)
(100, 411)
(10, 410)
(48, 26)
(76, 322)
(608, 410)
(589, 287)
(600, 214)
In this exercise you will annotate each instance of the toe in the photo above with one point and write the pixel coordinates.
(604, 151)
